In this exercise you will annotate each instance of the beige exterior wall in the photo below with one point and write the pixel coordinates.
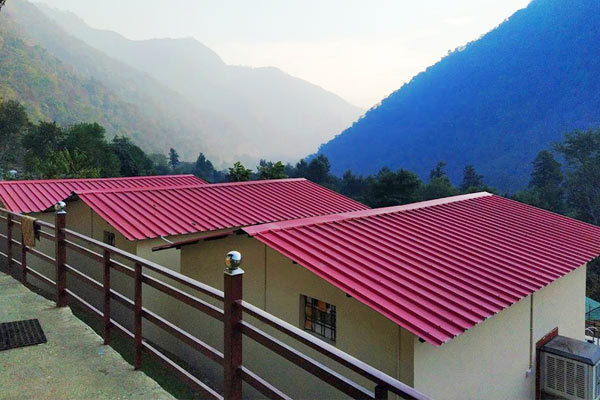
(561, 304)
(81, 218)
(273, 283)
(491, 359)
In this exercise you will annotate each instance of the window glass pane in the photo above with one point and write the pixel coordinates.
(109, 238)
(319, 318)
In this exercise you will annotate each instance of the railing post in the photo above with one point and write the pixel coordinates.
(23, 260)
(231, 327)
(60, 254)
(137, 321)
(381, 392)
(9, 236)
(106, 284)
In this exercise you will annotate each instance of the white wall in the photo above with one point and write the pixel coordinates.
(491, 359)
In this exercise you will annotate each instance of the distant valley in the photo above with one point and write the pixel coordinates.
(165, 92)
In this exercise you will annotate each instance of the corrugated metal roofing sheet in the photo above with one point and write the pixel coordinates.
(39, 195)
(438, 268)
(152, 212)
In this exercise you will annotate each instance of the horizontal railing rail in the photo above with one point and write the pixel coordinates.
(590, 311)
(360, 367)
(180, 278)
(234, 326)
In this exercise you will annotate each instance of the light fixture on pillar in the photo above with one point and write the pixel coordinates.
(233, 260)
(60, 207)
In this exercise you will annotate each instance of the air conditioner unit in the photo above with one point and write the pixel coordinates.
(570, 369)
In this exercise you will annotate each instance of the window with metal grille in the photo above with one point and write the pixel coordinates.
(109, 238)
(319, 318)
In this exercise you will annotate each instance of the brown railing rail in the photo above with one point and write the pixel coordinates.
(234, 325)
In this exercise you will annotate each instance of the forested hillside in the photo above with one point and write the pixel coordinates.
(51, 90)
(168, 119)
(493, 103)
(276, 115)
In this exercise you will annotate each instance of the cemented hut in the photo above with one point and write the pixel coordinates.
(451, 296)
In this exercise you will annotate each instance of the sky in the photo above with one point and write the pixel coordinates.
(361, 50)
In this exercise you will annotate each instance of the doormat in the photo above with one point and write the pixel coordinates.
(20, 334)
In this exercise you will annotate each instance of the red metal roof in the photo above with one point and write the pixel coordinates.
(152, 212)
(39, 195)
(437, 268)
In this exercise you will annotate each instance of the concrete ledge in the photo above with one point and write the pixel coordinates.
(72, 365)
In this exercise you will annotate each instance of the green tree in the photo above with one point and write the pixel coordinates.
(239, 173)
(581, 151)
(318, 170)
(69, 164)
(204, 169)
(133, 160)
(161, 163)
(173, 158)
(472, 181)
(438, 171)
(40, 143)
(290, 170)
(270, 170)
(353, 186)
(14, 124)
(44, 138)
(301, 169)
(439, 184)
(89, 140)
(389, 188)
(52, 152)
(546, 183)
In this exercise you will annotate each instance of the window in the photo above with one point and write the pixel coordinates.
(109, 238)
(319, 318)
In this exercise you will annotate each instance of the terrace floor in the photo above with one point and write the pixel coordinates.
(73, 364)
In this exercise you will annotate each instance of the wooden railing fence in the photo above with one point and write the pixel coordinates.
(235, 327)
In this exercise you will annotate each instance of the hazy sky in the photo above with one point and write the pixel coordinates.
(359, 49)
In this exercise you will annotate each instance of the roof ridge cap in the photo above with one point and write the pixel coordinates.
(258, 229)
(136, 189)
(129, 178)
(259, 181)
(206, 186)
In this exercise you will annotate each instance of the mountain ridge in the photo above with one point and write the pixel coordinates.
(494, 102)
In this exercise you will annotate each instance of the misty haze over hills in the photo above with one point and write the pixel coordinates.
(273, 114)
(60, 78)
(493, 103)
(163, 93)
